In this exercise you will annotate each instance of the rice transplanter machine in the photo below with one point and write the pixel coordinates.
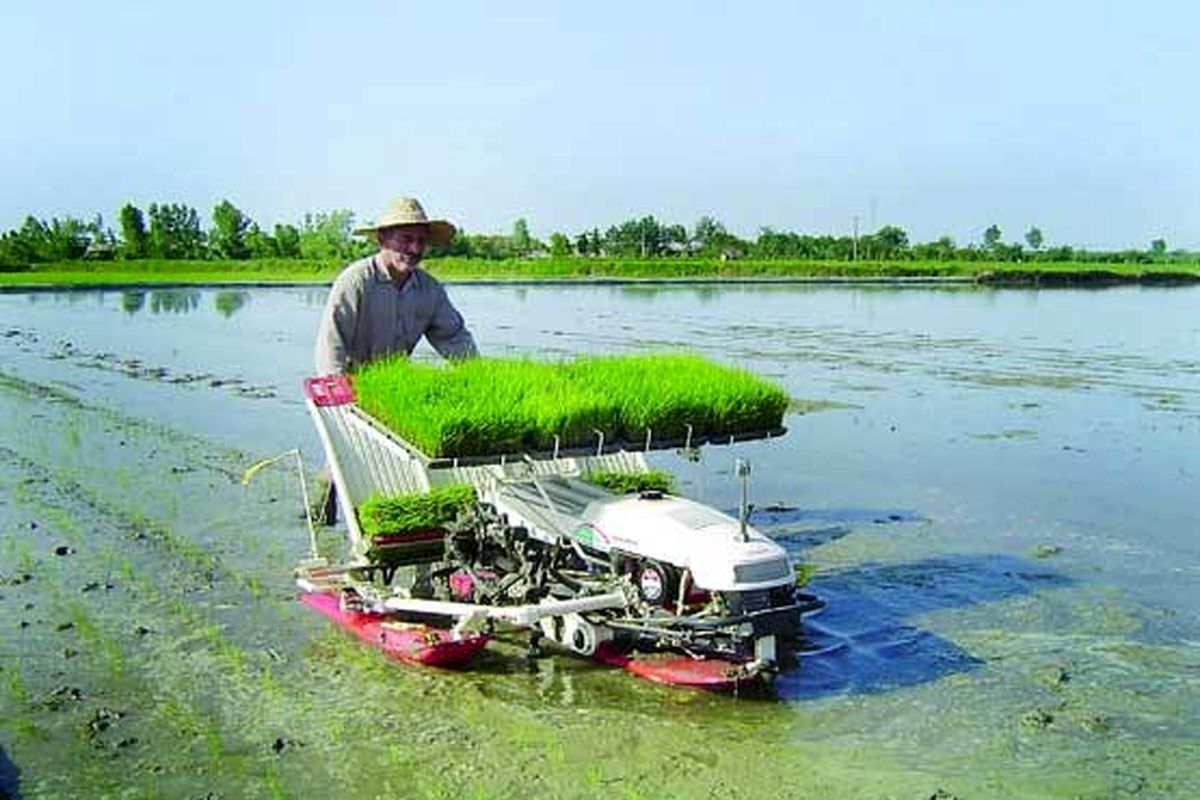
(661, 585)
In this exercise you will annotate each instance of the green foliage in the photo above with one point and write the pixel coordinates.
(397, 515)
(589, 243)
(522, 242)
(941, 250)
(260, 244)
(991, 237)
(639, 247)
(772, 244)
(889, 242)
(487, 406)
(101, 241)
(632, 482)
(1034, 238)
(643, 238)
(175, 232)
(709, 238)
(560, 245)
(228, 236)
(287, 241)
(136, 241)
(493, 248)
(327, 235)
(36, 241)
(489, 247)
(64, 239)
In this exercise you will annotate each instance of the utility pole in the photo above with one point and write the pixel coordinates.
(855, 258)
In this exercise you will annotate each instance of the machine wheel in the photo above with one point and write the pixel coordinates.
(657, 583)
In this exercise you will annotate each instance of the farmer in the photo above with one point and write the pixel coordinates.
(384, 304)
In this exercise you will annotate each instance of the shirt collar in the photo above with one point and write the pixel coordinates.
(381, 275)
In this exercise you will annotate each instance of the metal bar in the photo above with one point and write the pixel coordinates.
(517, 615)
(335, 468)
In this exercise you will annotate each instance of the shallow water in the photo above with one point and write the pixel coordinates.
(996, 489)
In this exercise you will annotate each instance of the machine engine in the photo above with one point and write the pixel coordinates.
(697, 581)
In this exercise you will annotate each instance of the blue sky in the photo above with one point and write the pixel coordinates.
(941, 117)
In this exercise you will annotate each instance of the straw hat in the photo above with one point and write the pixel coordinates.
(407, 211)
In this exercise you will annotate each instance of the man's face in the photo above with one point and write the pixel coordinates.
(403, 246)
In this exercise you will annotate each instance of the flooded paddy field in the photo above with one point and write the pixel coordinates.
(995, 490)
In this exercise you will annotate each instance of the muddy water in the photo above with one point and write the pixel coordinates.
(996, 489)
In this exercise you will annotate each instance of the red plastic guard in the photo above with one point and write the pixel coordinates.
(329, 390)
(418, 644)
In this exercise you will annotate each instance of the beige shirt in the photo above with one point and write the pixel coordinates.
(368, 317)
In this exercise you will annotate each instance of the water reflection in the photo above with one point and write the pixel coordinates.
(227, 302)
(177, 301)
(132, 302)
(10, 777)
(862, 642)
(648, 292)
(183, 301)
(315, 297)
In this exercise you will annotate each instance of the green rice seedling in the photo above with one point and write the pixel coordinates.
(444, 411)
(255, 585)
(667, 393)
(488, 406)
(26, 563)
(632, 482)
(214, 742)
(29, 730)
(388, 521)
(16, 688)
(409, 513)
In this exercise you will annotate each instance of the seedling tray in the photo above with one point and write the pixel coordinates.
(477, 410)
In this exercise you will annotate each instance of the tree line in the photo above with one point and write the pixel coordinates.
(174, 231)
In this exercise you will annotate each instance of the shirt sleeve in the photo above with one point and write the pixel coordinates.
(447, 331)
(336, 331)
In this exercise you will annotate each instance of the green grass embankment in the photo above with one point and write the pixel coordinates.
(782, 269)
(269, 271)
(162, 272)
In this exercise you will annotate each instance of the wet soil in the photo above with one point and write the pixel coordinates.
(151, 644)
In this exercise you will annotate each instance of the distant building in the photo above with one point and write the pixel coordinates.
(99, 251)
